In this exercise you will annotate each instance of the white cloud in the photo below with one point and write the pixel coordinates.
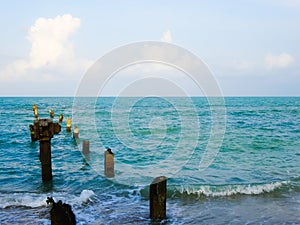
(49, 40)
(167, 36)
(257, 66)
(243, 65)
(278, 61)
(51, 50)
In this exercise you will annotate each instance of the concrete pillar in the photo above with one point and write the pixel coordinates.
(109, 164)
(85, 147)
(158, 198)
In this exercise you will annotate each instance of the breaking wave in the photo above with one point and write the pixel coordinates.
(34, 200)
(229, 190)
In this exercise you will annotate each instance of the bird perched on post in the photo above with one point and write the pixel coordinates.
(109, 151)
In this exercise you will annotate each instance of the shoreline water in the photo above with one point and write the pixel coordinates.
(254, 178)
(266, 208)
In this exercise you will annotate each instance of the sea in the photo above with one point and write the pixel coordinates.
(231, 160)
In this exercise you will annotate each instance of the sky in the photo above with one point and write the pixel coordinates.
(251, 47)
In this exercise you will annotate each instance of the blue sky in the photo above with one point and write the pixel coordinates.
(251, 46)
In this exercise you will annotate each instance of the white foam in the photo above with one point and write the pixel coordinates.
(34, 200)
(22, 199)
(86, 196)
(227, 190)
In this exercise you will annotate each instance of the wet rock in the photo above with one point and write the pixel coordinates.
(61, 213)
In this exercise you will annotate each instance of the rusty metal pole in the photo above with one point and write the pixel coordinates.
(158, 198)
(44, 129)
(45, 154)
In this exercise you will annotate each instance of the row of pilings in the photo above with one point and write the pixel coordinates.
(43, 130)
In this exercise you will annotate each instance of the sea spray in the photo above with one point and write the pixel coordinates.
(86, 195)
(34, 200)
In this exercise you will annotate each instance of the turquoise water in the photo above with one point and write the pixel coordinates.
(254, 177)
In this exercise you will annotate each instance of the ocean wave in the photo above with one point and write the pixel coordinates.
(229, 190)
(34, 200)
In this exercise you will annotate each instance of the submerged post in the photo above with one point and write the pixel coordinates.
(109, 163)
(44, 129)
(158, 198)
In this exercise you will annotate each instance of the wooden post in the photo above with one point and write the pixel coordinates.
(109, 163)
(158, 198)
(85, 147)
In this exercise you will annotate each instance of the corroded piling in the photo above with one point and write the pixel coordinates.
(158, 198)
(33, 132)
(109, 166)
(45, 154)
(85, 147)
(43, 130)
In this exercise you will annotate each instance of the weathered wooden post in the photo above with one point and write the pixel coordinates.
(109, 166)
(85, 147)
(44, 129)
(158, 198)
